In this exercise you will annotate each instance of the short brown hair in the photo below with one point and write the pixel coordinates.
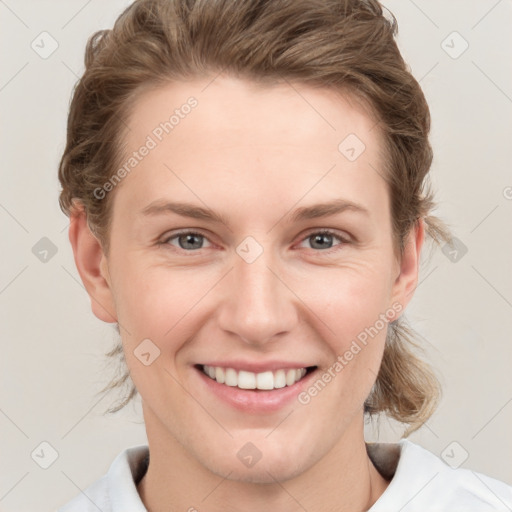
(345, 45)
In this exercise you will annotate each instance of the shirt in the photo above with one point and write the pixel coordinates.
(420, 482)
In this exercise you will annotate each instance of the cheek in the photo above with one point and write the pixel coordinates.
(354, 310)
(160, 304)
(351, 300)
(357, 327)
(168, 305)
(146, 294)
(156, 307)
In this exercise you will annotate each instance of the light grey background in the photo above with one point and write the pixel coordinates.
(52, 362)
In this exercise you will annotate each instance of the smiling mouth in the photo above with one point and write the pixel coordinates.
(250, 381)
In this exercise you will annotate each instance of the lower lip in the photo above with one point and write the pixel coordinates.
(255, 401)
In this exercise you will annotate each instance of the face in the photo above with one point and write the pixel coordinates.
(265, 282)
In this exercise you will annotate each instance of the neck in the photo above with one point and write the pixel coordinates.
(344, 479)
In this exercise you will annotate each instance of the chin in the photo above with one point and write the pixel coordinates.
(267, 470)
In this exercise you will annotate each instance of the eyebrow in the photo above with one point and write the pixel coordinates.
(315, 211)
(324, 209)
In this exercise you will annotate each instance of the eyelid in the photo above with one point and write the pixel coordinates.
(190, 231)
(343, 237)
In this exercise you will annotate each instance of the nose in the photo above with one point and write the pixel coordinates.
(259, 304)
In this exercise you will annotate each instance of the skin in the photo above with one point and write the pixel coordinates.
(254, 154)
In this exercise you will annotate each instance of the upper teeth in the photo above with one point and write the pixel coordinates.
(250, 380)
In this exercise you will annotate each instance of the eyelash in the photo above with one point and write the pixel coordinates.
(328, 232)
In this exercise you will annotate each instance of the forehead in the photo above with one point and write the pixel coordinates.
(249, 112)
(245, 139)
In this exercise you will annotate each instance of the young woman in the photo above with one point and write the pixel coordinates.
(247, 184)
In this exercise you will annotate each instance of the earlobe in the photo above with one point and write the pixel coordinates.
(91, 264)
(406, 282)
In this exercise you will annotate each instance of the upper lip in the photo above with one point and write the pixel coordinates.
(257, 367)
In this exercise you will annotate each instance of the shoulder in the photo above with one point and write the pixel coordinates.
(422, 481)
(115, 491)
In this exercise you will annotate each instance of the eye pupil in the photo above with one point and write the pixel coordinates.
(188, 238)
(320, 237)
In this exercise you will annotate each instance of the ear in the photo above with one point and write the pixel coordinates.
(406, 281)
(92, 266)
